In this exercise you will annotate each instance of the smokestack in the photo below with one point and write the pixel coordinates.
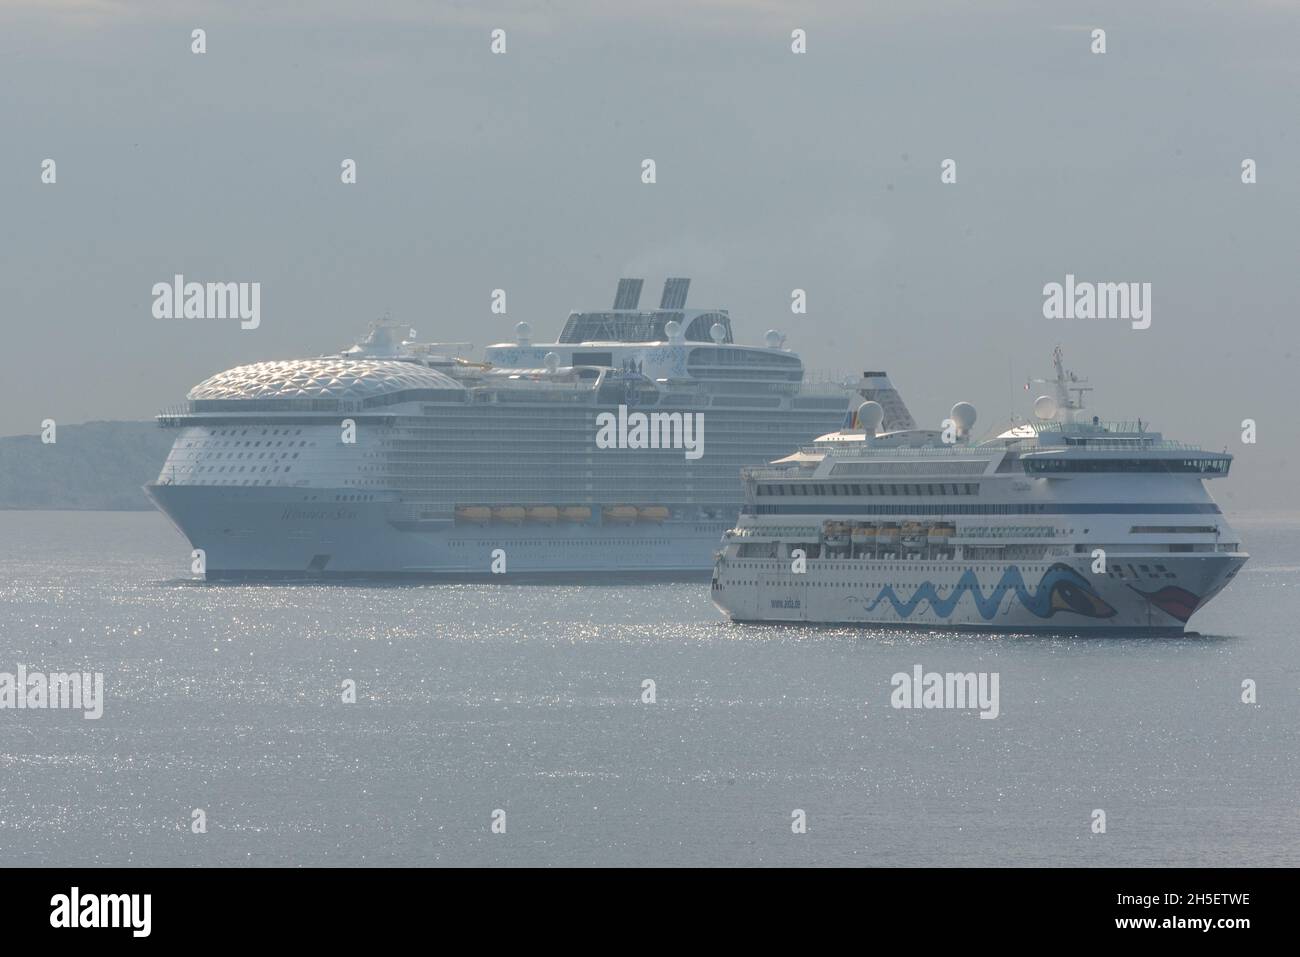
(629, 293)
(674, 296)
(876, 387)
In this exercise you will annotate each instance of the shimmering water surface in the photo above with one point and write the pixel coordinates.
(527, 698)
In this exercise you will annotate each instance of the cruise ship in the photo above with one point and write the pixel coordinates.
(616, 448)
(1062, 523)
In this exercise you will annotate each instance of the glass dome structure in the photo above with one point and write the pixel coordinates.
(324, 378)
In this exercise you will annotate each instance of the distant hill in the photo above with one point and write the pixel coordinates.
(98, 465)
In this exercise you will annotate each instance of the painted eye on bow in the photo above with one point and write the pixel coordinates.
(1068, 596)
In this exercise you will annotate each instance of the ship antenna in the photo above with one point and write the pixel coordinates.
(1067, 382)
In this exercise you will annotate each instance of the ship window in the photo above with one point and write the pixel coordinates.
(1208, 466)
(1173, 529)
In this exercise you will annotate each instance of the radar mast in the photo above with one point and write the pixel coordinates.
(1065, 383)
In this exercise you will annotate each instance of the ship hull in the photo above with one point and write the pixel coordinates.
(273, 534)
(1035, 596)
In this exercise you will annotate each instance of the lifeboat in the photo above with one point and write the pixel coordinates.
(836, 534)
(575, 513)
(478, 514)
(864, 533)
(652, 513)
(940, 533)
(888, 533)
(545, 514)
(618, 514)
(508, 514)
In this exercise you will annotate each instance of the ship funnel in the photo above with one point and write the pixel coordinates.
(629, 293)
(674, 296)
(876, 387)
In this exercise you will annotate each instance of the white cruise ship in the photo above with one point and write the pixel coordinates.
(457, 467)
(1066, 523)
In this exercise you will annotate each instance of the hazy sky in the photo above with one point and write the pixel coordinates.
(775, 171)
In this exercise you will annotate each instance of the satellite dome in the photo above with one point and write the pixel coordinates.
(773, 339)
(1045, 407)
(963, 415)
(673, 330)
(552, 362)
(523, 333)
(870, 416)
(718, 332)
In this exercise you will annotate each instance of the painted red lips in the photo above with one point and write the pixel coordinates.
(1175, 601)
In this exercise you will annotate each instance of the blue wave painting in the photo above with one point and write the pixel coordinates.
(1062, 589)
